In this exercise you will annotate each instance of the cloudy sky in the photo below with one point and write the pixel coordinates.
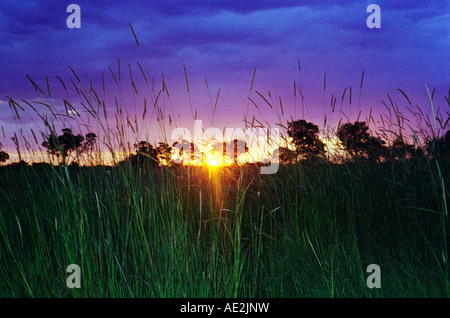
(223, 41)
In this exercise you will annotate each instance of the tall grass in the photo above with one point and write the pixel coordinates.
(310, 230)
(305, 232)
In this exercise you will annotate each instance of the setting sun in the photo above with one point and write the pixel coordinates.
(213, 162)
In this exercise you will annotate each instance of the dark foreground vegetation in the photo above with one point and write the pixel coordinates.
(310, 230)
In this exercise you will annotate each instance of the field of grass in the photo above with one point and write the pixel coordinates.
(306, 231)
(309, 230)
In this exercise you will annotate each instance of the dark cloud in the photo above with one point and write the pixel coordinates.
(229, 38)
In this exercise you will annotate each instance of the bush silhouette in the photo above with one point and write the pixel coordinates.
(402, 150)
(3, 156)
(145, 154)
(287, 156)
(439, 147)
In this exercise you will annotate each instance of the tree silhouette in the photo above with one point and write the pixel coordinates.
(145, 153)
(3, 156)
(65, 144)
(306, 140)
(359, 143)
(91, 140)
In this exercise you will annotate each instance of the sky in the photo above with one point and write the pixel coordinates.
(224, 41)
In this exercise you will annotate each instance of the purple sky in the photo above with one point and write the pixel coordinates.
(224, 41)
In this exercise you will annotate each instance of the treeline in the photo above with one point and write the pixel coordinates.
(358, 144)
(355, 138)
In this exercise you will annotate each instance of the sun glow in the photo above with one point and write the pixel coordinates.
(333, 146)
(213, 162)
